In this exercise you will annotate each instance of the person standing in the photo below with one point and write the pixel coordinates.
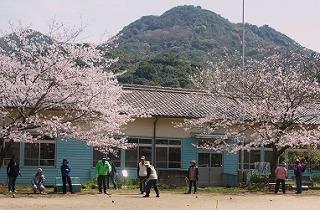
(193, 176)
(142, 174)
(103, 169)
(281, 175)
(112, 175)
(151, 179)
(13, 171)
(65, 175)
(37, 182)
(298, 172)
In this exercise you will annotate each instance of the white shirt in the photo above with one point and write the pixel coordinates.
(142, 170)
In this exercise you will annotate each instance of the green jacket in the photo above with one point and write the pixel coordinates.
(103, 169)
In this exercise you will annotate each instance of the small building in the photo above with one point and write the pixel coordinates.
(157, 137)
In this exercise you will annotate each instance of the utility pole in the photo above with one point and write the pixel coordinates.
(243, 47)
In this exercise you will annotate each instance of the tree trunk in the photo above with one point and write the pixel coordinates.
(4, 150)
(274, 163)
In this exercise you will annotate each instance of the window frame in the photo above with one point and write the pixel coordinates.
(168, 146)
(6, 159)
(248, 165)
(39, 142)
(92, 159)
(137, 148)
(210, 153)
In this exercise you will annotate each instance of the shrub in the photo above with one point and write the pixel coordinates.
(259, 179)
(316, 179)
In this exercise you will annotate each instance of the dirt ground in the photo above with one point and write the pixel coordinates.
(167, 201)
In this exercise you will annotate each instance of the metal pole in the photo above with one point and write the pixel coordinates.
(243, 32)
(243, 47)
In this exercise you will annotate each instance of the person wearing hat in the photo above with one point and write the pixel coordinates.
(281, 175)
(65, 175)
(103, 169)
(193, 176)
(37, 182)
(151, 179)
(142, 174)
(298, 172)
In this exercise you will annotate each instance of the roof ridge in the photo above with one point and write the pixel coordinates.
(162, 89)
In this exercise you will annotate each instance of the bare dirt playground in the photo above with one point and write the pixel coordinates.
(167, 201)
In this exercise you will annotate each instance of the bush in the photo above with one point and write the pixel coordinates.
(316, 179)
(121, 183)
(126, 183)
(259, 180)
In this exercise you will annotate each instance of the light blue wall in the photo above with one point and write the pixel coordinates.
(230, 163)
(78, 154)
(230, 169)
(189, 152)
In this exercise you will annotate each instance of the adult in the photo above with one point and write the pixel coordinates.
(298, 172)
(151, 179)
(142, 174)
(193, 176)
(65, 175)
(13, 171)
(281, 175)
(38, 181)
(103, 169)
(112, 175)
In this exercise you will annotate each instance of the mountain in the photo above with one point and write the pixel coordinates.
(164, 50)
(31, 36)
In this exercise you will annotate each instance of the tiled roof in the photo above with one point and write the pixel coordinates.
(186, 103)
(171, 102)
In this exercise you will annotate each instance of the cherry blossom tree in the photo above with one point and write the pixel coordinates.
(272, 103)
(50, 86)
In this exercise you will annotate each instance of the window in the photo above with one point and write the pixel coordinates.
(250, 157)
(210, 159)
(97, 155)
(40, 154)
(143, 148)
(168, 153)
(14, 150)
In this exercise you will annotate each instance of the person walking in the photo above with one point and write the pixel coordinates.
(103, 169)
(112, 175)
(65, 175)
(151, 180)
(281, 175)
(37, 182)
(193, 176)
(298, 172)
(142, 174)
(13, 171)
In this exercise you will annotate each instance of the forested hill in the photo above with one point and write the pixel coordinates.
(164, 50)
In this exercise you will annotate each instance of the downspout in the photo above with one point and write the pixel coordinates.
(153, 158)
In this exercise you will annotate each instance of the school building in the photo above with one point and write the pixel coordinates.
(168, 147)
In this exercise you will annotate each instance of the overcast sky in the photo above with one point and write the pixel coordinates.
(299, 19)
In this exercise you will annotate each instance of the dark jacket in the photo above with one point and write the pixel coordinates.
(13, 169)
(197, 172)
(298, 170)
(113, 169)
(65, 170)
